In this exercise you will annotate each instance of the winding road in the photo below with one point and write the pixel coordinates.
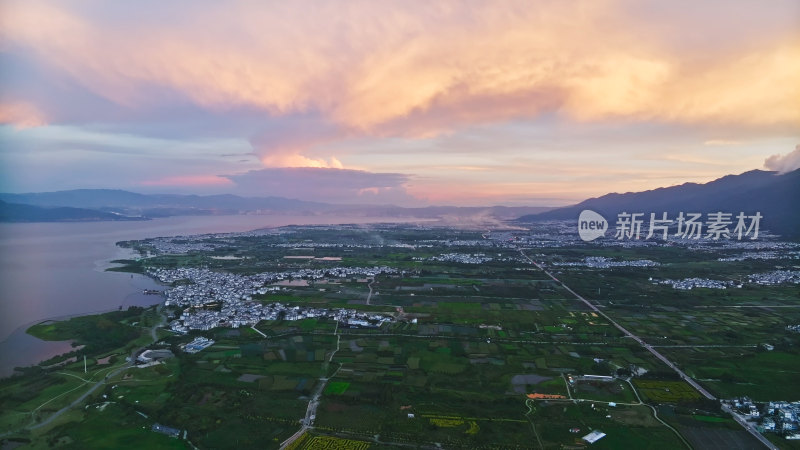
(369, 296)
(102, 382)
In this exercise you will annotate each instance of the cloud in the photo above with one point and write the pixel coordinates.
(189, 180)
(298, 160)
(519, 89)
(721, 142)
(784, 163)
(21, 115)
(290, 144)
(394, 69)
(325, 184)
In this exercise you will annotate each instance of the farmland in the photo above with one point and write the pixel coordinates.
(475, 355)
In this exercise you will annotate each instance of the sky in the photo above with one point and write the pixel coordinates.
(412, 103)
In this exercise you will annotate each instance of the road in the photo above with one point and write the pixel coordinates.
(311, 411)
(627, 333)
(369, 296)
(749, 427)
(102, 381)
(80, 399)
(708, 346)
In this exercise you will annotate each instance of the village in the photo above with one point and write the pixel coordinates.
(601, 262)
(248, 313)
(765, 279)
(199, 286)
(220, 299)
(694, 282)
(769, 417)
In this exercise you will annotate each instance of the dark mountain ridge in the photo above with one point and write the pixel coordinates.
(15, 212)
(775, 196)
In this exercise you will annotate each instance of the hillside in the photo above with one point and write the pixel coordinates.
(14, 212)
(775, 196)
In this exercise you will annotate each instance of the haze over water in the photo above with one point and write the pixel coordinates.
(50, 270)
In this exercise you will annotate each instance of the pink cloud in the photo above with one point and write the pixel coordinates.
(189, 180)
(21, 115)
(326, 184)
(393, 69)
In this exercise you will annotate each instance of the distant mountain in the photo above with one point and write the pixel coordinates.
(160, 204)
(464, 214)
(113, 203)
(14, 212)
(775, 196)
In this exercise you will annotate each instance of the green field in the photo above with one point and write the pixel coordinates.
(467, 344)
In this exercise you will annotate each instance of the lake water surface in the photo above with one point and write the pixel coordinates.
(56, 270)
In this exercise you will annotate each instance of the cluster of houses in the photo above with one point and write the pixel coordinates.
(294, 246)
(462, 258)
(204, 286)
(219, 299)
(691, 283)
(765, 242)
(601, 262)
(765, 255)
(764, 279)
(745, 407)
(775, 277)
(776, 417)
(184, 244)
(248, 313)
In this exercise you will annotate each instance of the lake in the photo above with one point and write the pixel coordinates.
(57, 270)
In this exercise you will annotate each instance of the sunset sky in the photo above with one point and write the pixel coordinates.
(407, 102)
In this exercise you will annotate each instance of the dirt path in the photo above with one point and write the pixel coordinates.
(103, 381)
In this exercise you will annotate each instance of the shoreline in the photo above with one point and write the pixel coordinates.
(24, 342)
(51, 349)
(22, 330)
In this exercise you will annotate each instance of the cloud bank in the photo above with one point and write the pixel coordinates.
(400, 70)
(325, 185)
(641, 93)
(784, 163)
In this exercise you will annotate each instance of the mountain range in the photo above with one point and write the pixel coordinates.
(776, 196)
(15, 212)
(112, 204)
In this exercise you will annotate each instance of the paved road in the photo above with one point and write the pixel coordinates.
(627, 333)
(707, 346)
(749, 427)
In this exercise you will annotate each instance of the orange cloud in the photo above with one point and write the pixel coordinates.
(21, 115)
(395, 69)
(298, 160)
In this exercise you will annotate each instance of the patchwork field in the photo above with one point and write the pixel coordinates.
(476, 354)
